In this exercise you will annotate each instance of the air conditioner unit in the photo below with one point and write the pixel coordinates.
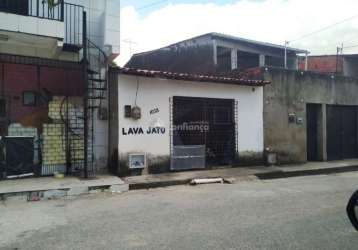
(137, 161)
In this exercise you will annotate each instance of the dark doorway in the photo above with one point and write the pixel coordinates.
(209, 122)
(20, 7)
(341, 132)
(19, 155)
(312, 111)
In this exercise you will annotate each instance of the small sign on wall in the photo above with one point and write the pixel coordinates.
(299, 120)
(291, 118)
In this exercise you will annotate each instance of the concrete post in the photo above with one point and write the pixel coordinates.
(215, 52)
(306, 62)
(234, 59)
(262, 61)
(324, 123)
(322, 133)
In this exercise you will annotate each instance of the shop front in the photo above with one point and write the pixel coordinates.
(160, 124)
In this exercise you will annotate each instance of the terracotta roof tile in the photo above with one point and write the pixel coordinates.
(191, 77)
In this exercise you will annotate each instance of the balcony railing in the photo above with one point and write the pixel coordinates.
(70, 14)
(73, 18)
(47, 9)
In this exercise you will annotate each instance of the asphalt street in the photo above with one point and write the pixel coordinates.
(293, 213)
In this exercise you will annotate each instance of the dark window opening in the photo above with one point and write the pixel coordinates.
(223, 59)
(29, 98)
(20, 7)
(2, 108)
(275, 61)
(246, 60)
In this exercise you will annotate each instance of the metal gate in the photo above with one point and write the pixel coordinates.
(341, 132)
(203, 124)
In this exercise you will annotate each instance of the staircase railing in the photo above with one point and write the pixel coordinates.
(73, 19)
(95, 75)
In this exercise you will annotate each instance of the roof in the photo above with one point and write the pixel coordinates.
(239, 39)
(191, 77)
(231, 39)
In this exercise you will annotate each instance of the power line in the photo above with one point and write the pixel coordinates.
(350, 47)
(324, 28)
(151, 5)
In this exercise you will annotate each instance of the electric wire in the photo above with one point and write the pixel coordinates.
(324, 28)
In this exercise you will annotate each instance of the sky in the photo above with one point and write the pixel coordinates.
(276, 21)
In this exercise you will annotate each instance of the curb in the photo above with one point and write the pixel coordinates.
(262, 176)
(311, 172)
(158, 184)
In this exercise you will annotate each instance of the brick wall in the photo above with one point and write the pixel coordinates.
(323, 64)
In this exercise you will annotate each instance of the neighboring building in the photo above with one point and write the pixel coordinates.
(164, 121)
(32, 28)
(310, 116)
(215, 53)
(45, 83)
(346, 65)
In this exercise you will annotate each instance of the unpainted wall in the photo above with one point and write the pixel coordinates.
(289, 93)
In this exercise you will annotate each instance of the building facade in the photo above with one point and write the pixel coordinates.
(310, 116)
(54, 57)
(185, 122)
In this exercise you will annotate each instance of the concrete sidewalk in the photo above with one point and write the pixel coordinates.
(237, 174)
(69, 186)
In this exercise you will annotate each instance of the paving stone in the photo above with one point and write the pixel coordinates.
(54, 194)
(75, 191)
(119, 188)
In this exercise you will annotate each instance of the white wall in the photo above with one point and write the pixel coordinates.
(32, 25)
(156, 93)
(103, 22)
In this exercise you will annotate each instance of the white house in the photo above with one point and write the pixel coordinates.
(162, 121)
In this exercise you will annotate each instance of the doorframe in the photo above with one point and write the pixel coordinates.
(321, 131)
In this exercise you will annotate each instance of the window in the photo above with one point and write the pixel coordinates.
(2, 108)
(29, 98)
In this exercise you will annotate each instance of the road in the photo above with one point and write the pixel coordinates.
(294, 213)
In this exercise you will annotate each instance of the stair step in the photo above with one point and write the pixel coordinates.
(97, 80)
(92, 72)
(96, 97)
(104, 89)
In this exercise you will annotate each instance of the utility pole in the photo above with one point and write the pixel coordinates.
(286, 44)
(339, 52)
(130, 43)
(306, 61)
